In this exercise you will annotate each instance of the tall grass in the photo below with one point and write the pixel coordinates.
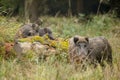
(58, 67)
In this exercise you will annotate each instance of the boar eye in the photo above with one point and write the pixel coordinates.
(79, 45)
(85, 45)
(29, 34)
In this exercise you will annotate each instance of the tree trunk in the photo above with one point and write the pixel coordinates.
(27, 9)
(31, 10)
(21, 8)
(34, 10)
(80, 6)
(69, 8)
(115, 5)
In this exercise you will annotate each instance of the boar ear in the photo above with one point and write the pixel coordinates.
(33, 25)
(75, 39)
(39, 21)
(87, 39)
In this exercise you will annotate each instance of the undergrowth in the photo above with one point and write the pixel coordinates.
(57, 67)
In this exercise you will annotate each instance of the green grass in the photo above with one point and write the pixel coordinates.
(57, 67)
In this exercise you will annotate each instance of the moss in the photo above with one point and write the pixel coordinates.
(64, 45)
(32, 39)
(52, 43)
(60, 43)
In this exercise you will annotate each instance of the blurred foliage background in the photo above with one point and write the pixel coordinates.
(65, 18)
(29, 8)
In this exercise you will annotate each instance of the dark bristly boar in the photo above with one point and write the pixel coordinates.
(95, 50)
(28, 30)
(43, 31)
(33, 29)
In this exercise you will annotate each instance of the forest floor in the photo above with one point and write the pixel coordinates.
(58, 68)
